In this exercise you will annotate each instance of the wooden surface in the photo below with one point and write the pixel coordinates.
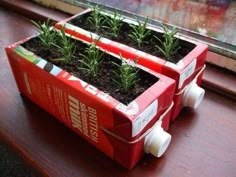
(32, 10)
(215, 80)
(203, 142)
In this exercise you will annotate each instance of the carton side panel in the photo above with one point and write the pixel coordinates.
(14, 62)
(76, 110)
(145, 110)
(198, 54)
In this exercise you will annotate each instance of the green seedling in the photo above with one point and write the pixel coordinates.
(91, 60)
(48, 35)
(96, 19)
(139, 32)
(114, 24)
(127, 75)
(170, 45)
(65, 46)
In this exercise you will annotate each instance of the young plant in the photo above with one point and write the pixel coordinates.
(65, 46)
(127, 75)
(114, 24)
(96, 19)
(91, 60)
(139, 32)
(170, 45)
(47, 35)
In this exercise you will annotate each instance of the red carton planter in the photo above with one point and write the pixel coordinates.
(187, 72)
(123, 132)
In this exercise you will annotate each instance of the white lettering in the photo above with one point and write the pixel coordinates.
(84, 118)
(74, 112)
(93, 124)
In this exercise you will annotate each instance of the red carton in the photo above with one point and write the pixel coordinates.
(186, 72)
(123, 132)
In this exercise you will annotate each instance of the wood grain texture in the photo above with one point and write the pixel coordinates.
(215, 80)
(203, 141)
(32, 10)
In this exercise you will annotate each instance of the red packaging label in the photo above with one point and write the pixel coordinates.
(88, 111)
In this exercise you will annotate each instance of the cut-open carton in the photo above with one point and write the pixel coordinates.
(123, 132)
(187, 72)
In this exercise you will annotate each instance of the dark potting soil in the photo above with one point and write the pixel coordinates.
(105, 77)
(148, 47)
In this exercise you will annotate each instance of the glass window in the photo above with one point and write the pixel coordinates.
(212, 21)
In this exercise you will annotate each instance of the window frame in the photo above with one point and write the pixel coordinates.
(228, 52)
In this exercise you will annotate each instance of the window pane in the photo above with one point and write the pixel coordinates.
(213, 21)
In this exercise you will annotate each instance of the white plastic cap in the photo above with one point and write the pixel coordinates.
(193, 96)
(157, 141)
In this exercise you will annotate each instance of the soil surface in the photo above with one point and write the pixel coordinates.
(148, 46)
(105, 77)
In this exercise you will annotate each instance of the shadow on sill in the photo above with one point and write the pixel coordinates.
(11, 165)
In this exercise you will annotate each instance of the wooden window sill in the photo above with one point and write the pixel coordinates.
(203, 141)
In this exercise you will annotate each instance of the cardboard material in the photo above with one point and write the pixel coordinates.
(182, 72)
(116, 129)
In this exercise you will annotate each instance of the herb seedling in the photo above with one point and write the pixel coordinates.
(127, 75)
(139, 32)
(91, 60)
(47, 35)
(114, 24)
(170, 45)
(66, 47)
(96, 19)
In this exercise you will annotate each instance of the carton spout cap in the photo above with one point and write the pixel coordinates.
(157, 141)
(193, 96)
